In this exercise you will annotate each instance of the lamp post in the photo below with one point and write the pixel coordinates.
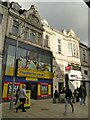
(15, 59)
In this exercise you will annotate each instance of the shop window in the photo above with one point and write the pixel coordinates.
(22, 58)
(44, 89)
(32, 60)
(44, 63)
(10, 60)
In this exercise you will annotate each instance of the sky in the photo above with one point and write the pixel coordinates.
(63, 14)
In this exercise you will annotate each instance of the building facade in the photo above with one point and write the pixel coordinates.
(45, 55)
(3, 22)
(85, 66)
(66, 56)
(24, 27)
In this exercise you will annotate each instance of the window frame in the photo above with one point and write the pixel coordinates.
(59, 46)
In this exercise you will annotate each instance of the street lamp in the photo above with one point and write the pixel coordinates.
(15, 61)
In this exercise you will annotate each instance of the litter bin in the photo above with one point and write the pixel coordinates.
(27, 102)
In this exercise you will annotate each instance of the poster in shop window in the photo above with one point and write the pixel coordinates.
(44, 89)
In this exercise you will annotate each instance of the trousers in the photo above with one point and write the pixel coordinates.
(67, 100)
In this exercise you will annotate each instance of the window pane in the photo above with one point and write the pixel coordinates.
(70, 49)
(32, 60)
(15, 28)
(33, 36)
(26, 35)
(22, 58)
(1, 16)
(59, 46)
(44, 63)
(39, 39)
(10, 59)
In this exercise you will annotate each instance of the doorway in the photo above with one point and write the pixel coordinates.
(60, 86)
(33, 88)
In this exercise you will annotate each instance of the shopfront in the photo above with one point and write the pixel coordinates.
(74, 76)
(34, 69)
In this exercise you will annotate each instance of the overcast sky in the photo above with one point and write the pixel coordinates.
(69, 14)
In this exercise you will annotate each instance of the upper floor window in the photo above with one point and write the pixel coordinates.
(85, 72)
(46, 40)
(39, 39)
(75, 50)
(26, 35)
(84, 55)
(47, 37)
(59, 46)
(1, 16)
(33, 36)
(70, 49)
(15, 28)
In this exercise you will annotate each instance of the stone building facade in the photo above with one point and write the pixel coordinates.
(51, 53)
(85, 66)
(66, 56)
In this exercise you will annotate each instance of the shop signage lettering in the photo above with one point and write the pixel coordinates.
(34, 74)
(31, 73)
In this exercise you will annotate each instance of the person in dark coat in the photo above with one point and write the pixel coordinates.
(82, 95)
(17, 95)
(68, 99)
(56, 94)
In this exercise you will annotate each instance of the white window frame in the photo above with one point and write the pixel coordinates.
(59, 46)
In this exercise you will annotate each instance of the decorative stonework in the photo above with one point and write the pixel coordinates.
(32, 15)
(71, 33)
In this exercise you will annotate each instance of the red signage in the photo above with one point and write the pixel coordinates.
(67, 68)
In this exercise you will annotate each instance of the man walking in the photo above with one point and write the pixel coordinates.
(68, 99)
(22, 98)
(82, 94)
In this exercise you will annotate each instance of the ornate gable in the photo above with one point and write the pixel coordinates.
(71, 33)
(32, 15)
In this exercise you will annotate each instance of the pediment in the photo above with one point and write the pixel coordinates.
(71, 33)
(33, 16)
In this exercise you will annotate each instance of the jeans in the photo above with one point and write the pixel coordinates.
(81, 100)
(67, 100)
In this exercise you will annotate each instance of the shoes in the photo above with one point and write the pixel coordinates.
(16, 109)
(73, 111)
(65, 113)
(23, 110)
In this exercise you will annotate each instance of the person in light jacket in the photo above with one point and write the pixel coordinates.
(22, 98)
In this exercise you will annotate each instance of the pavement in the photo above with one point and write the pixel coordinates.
(44, 108)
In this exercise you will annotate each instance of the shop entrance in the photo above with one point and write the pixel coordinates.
(60, 86)
(33, 88)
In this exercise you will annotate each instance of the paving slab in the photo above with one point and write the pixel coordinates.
(45, 109)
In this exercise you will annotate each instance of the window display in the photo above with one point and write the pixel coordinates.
(44, 89)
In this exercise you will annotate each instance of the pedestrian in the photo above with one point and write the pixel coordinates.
(17, 95)
(68, 99)
(82, 95)
(77, 94)
(56, 96)
(22, 98)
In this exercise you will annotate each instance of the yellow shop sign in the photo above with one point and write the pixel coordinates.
(33, 73)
